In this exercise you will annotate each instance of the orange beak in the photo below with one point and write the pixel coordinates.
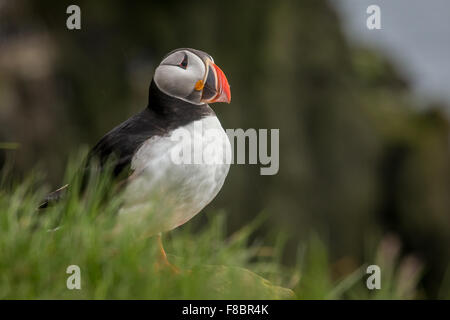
(223, 88)
(220, 86)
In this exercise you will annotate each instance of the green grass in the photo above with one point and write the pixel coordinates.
(118, 262)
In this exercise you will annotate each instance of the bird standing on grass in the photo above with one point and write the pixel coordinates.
(146, 146)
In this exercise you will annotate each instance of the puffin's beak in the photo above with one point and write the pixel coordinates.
(216, 87)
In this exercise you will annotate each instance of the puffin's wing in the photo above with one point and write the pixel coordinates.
(119, 146)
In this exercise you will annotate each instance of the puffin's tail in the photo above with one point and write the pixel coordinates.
(53, 197)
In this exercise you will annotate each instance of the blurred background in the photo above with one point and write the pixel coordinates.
(363, 114)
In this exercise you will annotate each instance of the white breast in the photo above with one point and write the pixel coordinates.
(166, 189)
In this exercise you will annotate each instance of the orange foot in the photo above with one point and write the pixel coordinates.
(163, 262)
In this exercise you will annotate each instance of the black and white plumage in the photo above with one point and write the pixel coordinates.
(143, 146)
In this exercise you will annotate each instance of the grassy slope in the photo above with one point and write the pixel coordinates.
(117, 263)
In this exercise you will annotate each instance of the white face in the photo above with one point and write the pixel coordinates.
(178, 74)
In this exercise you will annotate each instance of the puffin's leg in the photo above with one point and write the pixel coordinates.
(163, 255)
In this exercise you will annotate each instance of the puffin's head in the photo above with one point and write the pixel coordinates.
(192, 76)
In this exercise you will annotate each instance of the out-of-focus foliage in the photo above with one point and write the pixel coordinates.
(358, 157)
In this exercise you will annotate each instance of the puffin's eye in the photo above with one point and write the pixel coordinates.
(184, 63)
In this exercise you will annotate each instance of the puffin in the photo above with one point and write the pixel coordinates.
(156, 151)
